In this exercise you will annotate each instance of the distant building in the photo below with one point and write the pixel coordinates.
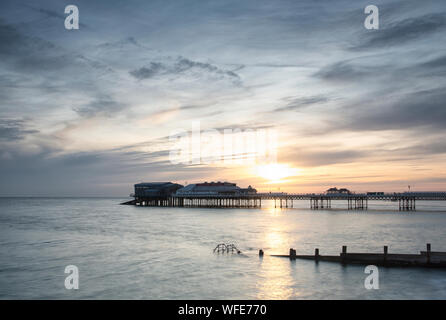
(217, 188)
(249, 190)
(336, 191)
(156, 189)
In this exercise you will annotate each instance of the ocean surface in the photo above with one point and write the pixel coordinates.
(128, 252)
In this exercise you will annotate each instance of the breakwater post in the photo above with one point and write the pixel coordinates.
(292, 254)
(428, 253)
(344, 254)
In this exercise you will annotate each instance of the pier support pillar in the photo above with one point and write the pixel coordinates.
(406, 204)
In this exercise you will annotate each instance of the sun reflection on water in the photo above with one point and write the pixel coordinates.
(274, 211)
(276, 279)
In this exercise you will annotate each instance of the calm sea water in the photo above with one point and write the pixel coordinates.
(127, 252)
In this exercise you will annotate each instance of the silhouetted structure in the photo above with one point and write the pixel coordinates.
(226, 248)
(215, 188)
(229, 195)
(336, 190)
(155, 193)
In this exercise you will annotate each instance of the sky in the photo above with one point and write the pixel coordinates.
(90, 112)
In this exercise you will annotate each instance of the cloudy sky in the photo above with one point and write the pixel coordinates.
(90, 111)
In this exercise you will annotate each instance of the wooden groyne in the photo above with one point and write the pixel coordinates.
(427, 259)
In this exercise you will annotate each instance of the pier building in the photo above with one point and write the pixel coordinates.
(216, 188)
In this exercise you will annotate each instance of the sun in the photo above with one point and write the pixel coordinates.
(275, 172)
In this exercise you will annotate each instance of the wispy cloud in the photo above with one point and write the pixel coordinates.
(402, 31)
(101, 106)
(183, 66)
(297, 103)
(13, 129)
(424, 108)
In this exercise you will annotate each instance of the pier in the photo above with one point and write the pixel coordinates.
(406, 201)
(228, 195)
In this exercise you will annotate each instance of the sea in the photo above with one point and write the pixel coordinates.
(132, 252)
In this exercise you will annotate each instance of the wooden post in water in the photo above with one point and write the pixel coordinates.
(344, 254)
(292, 254)
(385, 253)
(316, 254)
(428, 252)
(260, 253)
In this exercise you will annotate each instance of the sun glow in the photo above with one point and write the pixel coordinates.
(275, 172)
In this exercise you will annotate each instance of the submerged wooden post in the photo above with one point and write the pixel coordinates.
(316, 254)
(260, 253)
(292, 253)
(344, 254)
(385, 253)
